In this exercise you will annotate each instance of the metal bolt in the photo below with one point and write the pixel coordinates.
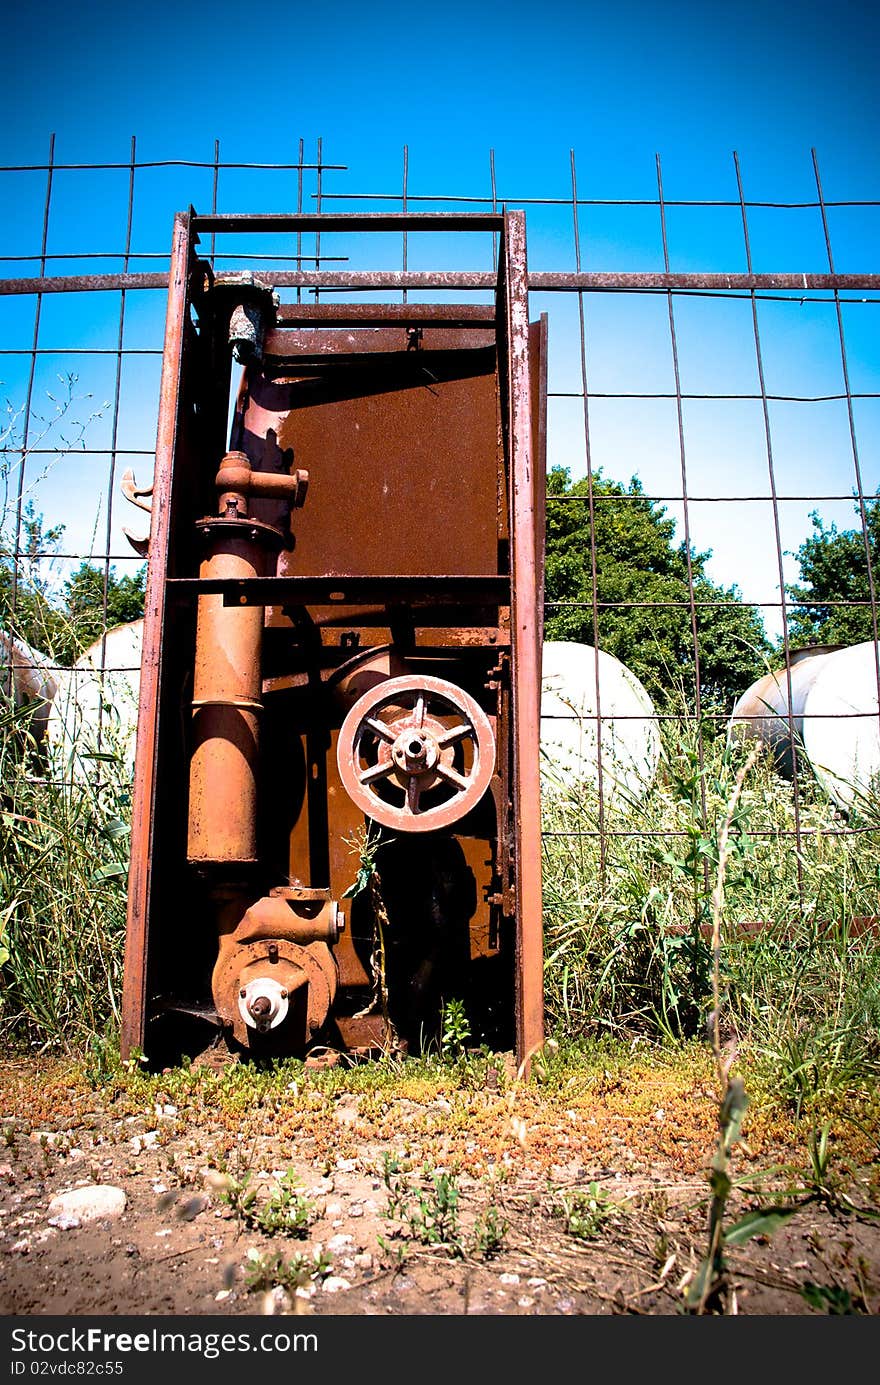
(283, 994)
(242, 993)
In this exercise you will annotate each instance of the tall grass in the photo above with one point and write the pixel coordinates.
(628, 946)
(627, 922)
(63, 865)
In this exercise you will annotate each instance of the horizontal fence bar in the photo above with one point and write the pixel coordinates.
(474, 280)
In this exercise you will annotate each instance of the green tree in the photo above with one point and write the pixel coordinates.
(834, 567)
(84, 600)
(26, 608)
(639, 562)
(61, 625)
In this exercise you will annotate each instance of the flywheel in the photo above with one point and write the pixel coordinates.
(416, 753)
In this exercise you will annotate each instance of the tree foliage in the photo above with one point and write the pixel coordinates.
(61, 624)
(833, 567)
(639, 564)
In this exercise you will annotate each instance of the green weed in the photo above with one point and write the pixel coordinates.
(585, 1212)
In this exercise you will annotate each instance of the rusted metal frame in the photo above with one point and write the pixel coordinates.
(29, 395)
(526, 650)
(381, 314)
(771, 472)
(272, 591)
(312, 342)
(863, 514)
(469, 281)
(692, 605)
(348, 221)
(134, 993)
(550, 281)
(83, 283)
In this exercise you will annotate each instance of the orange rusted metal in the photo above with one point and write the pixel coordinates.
(416, 754)
(343, 662)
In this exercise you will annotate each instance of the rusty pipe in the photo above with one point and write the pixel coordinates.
(227, 701)
(236, 478)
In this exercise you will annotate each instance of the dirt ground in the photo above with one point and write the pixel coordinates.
(588, 1196)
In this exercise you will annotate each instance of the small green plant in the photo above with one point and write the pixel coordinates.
(240, 1197)
(272, 1270)
(709, 1287)
(9, 1136)
(454, 1030)
(585, 1211)
(820, 1162)
(434, 1220)
(490, 1228)
(828, 1298)
(288, 1210)
(396, 1184)
(429, 1214)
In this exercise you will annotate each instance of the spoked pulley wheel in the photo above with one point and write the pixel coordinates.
(416, 753)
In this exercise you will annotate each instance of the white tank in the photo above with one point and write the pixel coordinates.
(630, 741)
(84, 700)
(842, 725)
(34, 680)
(762, 711)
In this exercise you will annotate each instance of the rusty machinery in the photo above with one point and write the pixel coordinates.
(341, 661)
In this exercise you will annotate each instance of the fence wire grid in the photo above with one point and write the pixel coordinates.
(723, 351)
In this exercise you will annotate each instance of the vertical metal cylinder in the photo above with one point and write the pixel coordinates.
(226, 703)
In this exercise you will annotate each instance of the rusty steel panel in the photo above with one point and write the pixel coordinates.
(392, 485)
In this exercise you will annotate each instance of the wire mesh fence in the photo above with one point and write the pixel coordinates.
(712, 445)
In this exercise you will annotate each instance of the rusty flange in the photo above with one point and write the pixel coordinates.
(257, 987)
(416, 753)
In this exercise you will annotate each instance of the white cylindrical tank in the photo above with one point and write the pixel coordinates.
(842, 725)
(86, 701)
(762, 711)
(630, 739)
(34, 680)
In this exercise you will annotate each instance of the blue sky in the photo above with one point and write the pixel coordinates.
(616, 83)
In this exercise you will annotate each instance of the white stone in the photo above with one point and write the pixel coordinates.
(339, 1243)
(334, 1284)
(92, 1203)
